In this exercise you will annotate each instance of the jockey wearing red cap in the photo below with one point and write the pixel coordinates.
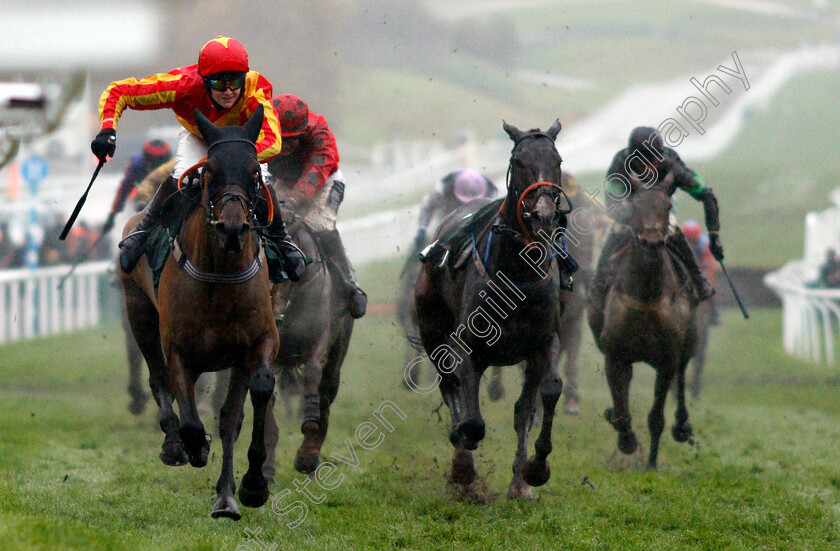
(224, 89)
(307, 177)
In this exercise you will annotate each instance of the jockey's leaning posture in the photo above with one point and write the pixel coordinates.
(223, 88)
(646, 162)
(308, 180)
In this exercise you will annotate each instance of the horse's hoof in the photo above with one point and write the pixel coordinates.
(305, 462)
(268, 472)
(519, 490)
(472, 432)
(463, 468)
(226, 507)
(198, 459)
(571, 406)
(253, 493)
(627, 442)
(681, 433)
(172, 453)
(536, 473)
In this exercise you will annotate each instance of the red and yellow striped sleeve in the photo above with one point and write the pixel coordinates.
(258, 91)
(154, 92)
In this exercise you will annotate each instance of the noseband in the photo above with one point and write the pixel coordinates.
(541, 188)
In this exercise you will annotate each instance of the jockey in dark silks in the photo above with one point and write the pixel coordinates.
(647, 163)
(309, 182)
(223, 88)
(155, 153)
(452, 191)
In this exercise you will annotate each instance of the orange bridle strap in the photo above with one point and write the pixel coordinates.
(194, 167)
(528, 238)
(268, 200)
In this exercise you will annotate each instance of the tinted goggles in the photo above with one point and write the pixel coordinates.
(228, 84)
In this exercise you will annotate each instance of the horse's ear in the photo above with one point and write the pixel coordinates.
(254, 124)
(206, 128)
(554, 130)
(512, 131)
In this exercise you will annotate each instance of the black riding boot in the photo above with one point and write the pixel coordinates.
(334, 249)
(132, 247)
(679, 244)
(294, 261)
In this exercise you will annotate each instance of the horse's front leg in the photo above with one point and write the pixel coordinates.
(537, 471)
(472, 428)
(681, 431)
(656, 417)
(618, 378)
(254, 489)
(196, 442)
(308, 455)
(230, 423)
(523, 417)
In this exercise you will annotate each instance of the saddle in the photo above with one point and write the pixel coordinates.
(455, 245)
(175, 211)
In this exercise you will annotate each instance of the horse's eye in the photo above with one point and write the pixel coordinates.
(518, 162)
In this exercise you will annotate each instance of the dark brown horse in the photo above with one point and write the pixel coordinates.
(213, 311)
(315, 326)
(501, 309)
(649, 317)
(584, 224)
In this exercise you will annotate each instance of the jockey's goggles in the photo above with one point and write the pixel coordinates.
(220, 85)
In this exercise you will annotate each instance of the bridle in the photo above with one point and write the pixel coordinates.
(210, 205)
(540, 188)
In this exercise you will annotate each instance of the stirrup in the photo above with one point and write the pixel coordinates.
(131, 235)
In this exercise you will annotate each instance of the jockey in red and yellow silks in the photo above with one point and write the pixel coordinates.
(224, 89)
(183, 90)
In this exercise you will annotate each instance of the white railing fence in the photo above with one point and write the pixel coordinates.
(810, 315)
(33, 305)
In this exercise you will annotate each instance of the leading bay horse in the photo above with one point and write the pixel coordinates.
(650, 317)
(501, 310)
(212, 311)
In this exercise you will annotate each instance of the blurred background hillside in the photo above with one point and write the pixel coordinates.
(433, 74)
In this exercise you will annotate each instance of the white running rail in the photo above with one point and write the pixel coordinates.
(32, 305)
(810, 315)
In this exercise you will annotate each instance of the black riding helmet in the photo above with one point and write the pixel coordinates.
(644, 139)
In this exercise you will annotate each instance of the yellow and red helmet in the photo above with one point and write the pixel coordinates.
(292, 113)
(222, 54)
